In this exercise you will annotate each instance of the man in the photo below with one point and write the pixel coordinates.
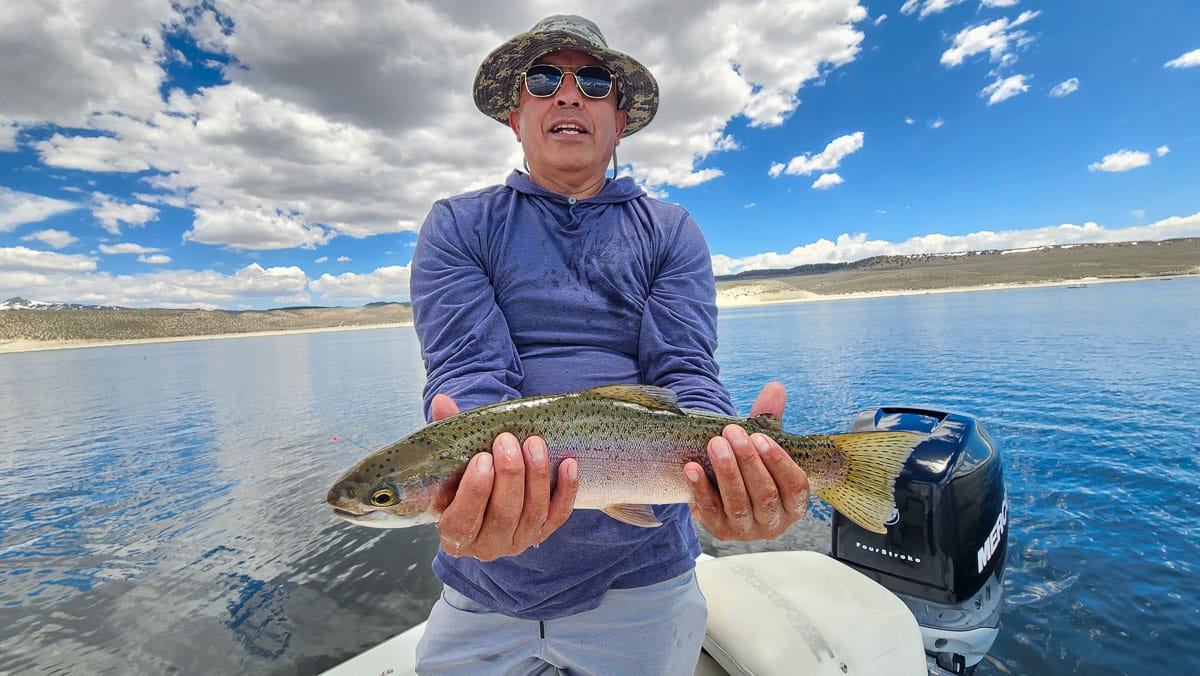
(563, 279)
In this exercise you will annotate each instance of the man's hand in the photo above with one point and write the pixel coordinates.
(760, 490)
(503, 505)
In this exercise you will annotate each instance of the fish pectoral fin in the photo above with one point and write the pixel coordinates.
(654, 398)
(634, 515)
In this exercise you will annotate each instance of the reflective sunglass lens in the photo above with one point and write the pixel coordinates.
(543, 80)
(594, 81)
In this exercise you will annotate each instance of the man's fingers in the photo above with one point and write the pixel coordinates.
(563, 500)
(760, 486)
(495, 538)
(463, 517)
(442, 407)
(789, 479)
(771, 400)
(707, 502)
(736, 505)
(537, 493)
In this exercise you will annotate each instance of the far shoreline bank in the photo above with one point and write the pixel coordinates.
(726, 300)
(10, 346)
(735, 301)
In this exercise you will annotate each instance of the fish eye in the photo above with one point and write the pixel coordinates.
(383, 497)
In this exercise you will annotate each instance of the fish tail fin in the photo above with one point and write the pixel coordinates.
(874, 460)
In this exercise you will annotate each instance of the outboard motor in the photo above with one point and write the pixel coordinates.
(945, 546)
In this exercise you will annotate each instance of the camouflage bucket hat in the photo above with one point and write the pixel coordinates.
(498, 80)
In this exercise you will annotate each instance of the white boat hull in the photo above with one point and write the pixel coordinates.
(768, 613)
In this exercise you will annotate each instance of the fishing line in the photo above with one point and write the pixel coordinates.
(336, 438)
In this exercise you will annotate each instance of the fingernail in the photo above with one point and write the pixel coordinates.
(537, 453)
(573, 471)
(721, 451)
(509, 447)
(484, 464)
(692, 475)
(737, 435)
(761, 443)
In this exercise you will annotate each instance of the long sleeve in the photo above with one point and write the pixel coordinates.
(465, 339)
(679, 325)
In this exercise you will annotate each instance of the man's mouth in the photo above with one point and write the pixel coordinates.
(568, 129)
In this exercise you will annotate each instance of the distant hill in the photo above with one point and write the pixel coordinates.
(23, 321)
(1061, 253)
(1126, 260)
(91, 323)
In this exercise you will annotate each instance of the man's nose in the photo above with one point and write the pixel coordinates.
(568, 92)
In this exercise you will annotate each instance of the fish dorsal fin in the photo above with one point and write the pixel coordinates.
(768, 421)
(634, 515)
(657, 398)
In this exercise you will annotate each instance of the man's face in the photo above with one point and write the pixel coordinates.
(568, 138)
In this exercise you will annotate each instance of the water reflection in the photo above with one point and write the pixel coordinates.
(162, 504)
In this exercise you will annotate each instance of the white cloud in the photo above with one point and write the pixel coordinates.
(1122, 160)
(254, 229)
(826, 160)
(62, 61)
(1162, 150)
(355, 126)
(386, 282)
(55, 238)
(343, 259)
(879, 19)
(1004, 88)
(8, 135)
(848, 248)
(127, 248)
(112, 213)
(937, 124)
(826, 181)
(998, 3)
(1187, 60)
(996, 37)
(1065, 88)
(155, 259)
(163, 288)
(322, 259)
(929, 7)
(909, 120)
(19, 208)
(90, 153)
(23, 258)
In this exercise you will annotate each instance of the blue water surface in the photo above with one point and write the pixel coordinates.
(161, 508)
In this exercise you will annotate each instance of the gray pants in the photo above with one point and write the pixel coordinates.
(656, 629)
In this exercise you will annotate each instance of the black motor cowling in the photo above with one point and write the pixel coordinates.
(945, 547)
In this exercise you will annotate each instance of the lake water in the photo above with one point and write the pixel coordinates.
(162, 510)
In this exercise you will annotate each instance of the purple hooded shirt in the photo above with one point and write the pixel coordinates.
(519, 291)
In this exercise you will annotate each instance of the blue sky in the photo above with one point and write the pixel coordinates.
(236, 155)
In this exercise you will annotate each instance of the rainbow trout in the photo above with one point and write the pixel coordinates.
(631, 443)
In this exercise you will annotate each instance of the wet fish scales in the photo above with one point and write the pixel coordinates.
(630, 442)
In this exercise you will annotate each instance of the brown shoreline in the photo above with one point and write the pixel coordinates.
(26, 330)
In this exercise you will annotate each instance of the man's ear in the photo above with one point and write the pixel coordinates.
(514, 122)
(621, 120)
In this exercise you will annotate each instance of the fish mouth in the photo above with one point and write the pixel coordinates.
(372, 519)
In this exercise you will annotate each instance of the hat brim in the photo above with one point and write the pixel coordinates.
(497, 82)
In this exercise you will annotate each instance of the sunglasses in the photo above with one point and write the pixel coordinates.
(543, 79)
